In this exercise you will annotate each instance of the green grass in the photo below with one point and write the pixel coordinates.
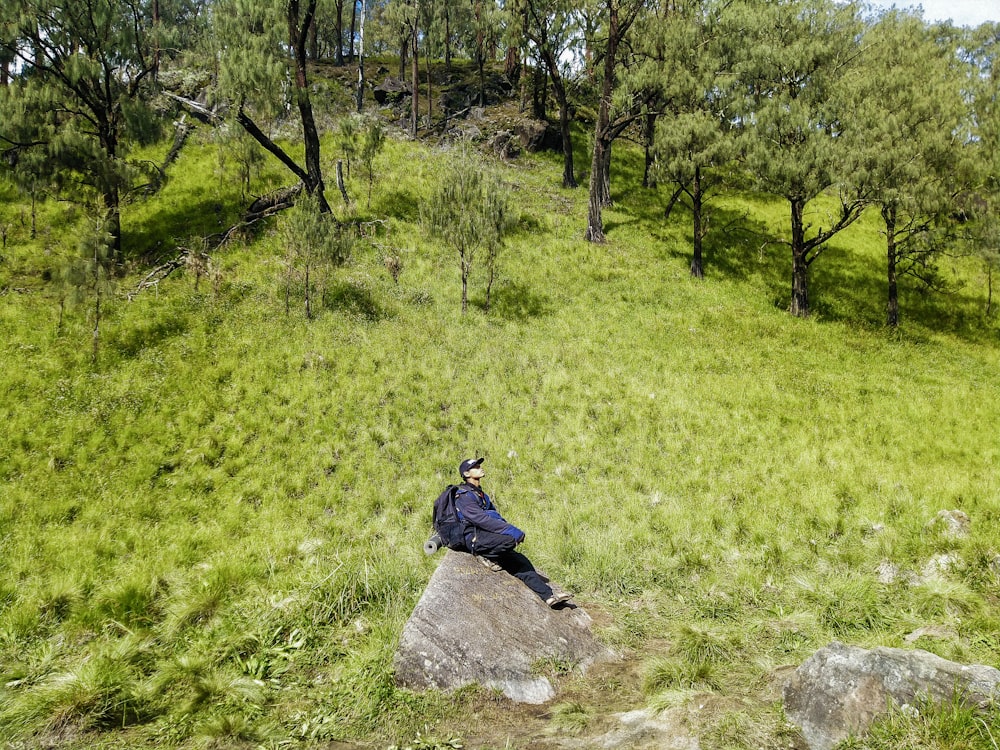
(214, 536)
(927, 726)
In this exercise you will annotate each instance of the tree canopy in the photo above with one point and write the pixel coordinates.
(802, 100)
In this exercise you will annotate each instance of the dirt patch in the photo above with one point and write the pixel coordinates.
(492, 721)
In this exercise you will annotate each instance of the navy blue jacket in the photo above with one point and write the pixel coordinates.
(477, 511)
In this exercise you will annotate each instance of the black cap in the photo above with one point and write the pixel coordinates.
(469, 463)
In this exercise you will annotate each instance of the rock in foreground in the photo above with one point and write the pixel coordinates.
(840, 689)
(475, 626)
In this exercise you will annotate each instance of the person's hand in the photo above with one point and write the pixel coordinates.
(516, 533)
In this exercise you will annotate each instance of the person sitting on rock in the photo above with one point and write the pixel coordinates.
(490, 538)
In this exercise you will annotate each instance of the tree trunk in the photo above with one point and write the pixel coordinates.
(512, 65)
(524, 81)
(697, 267)
(649, 132)
(559, 87)
(308, 299)
(447, 39)
(599, 181)
(595, 224)
(338, 28)
(340, 182)
(156, 39)
(989, 287)
(606, 201)
(299, 34)
(430, 92)
(110, 193)
(113, 206)
(540, 79)
(600, 187)
(361, 60)
(96, 335)
(313, 42)
(569, 179)
(415, 73)
(490, 276)
(892, 260)
(465, 283)
(672, 202)
(800, 265)
(482, 80)
(477, 8)
(354, 25)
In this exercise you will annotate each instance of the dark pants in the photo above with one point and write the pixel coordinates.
(500, 549)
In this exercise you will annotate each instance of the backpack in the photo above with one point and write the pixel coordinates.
(447, 523)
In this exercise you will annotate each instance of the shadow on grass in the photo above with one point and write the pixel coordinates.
(139, 336)
(736, 247)
(204, 214)
(610, 225)
(848, 288)
(399, 204)
(844, 286)
(513, 301)
(354, 300)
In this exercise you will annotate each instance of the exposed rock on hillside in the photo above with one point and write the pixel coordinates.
(840, 689)
(642, 729)
(954, 524)
(473, 625)
(391, 91)
(536, 135)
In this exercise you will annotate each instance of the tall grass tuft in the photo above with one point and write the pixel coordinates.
(849, 603)
(102, 691)
(700, 645)
(571, 716)
(226, 729)
(193, 682)
(669, 675)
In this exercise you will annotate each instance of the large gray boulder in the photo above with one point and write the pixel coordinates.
(475, 626)
(840, 689)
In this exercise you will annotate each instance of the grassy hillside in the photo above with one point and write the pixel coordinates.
(213, 537)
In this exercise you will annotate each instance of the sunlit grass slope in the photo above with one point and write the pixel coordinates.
(215, 534)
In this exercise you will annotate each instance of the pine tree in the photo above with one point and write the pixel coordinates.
(78, 97)
(614, 20)
(260, 46)
(551, 27)
(909, 141)
(693, 139)
(470, 213)
(790, 60)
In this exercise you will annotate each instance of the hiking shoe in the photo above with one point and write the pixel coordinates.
(556, 599)
(489, 564)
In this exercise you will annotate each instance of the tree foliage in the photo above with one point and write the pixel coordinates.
(791, 61)
(981, 205)
(693, 138)
(261, 48)
(79, 96)
(313, 242)
(909, 142)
